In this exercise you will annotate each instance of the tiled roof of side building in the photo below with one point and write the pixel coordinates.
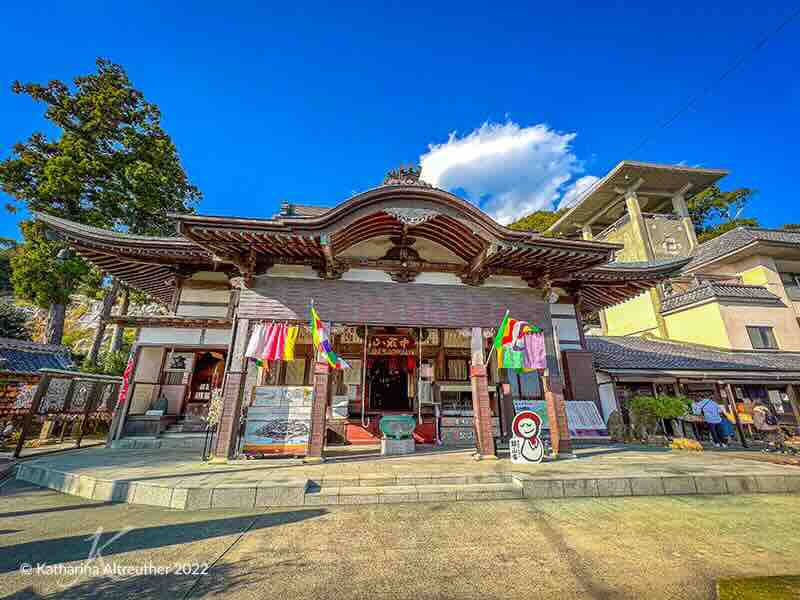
(26, 358)
(738, 238)
(740, 293)
(638, 353)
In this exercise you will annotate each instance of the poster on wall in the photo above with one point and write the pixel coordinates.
(583, 418)
(278, 420)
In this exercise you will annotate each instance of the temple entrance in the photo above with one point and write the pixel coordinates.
(387, 377)
(390, 370)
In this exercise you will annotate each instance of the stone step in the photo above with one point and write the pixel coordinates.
(403, 479)
(325, 496)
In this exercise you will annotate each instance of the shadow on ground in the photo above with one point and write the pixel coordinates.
(67, 549)
(227, 578)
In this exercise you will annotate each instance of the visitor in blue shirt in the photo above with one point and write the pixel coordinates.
(712, 415)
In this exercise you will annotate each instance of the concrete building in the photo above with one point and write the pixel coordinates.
(733, 307)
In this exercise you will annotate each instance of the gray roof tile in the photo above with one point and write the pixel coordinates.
(637, 353)
(17, 356)
(753, 294)
(738, 238)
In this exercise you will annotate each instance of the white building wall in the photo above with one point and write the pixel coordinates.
(608, 398)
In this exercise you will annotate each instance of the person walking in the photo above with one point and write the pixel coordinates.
(712, 416)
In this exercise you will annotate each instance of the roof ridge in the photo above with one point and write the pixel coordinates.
(15, 344)
(695, 345)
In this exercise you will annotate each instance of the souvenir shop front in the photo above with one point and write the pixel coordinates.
(411, 283)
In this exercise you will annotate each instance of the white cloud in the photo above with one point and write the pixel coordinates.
(576, 190)
(508, 170)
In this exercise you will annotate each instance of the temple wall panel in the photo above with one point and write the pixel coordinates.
(201, 295)
(169, 336)
(390, 303)
(201, 310)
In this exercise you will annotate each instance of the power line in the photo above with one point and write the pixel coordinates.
(705, 91)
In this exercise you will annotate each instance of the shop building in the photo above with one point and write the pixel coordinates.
(406, 274)
(634, 366)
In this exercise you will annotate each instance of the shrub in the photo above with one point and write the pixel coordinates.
(647, 411)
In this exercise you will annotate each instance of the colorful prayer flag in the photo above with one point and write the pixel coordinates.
(319, 336)
(509, 344)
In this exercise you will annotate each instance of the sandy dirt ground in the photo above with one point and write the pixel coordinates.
(577, 548)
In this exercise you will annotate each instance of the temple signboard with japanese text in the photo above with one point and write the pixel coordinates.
(383, 345)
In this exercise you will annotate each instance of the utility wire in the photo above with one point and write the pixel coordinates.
(725, 74)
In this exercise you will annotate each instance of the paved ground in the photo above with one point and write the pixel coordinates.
(7, 452)
(174, 466)
(575, 548)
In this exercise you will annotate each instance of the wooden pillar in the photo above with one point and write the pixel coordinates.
(91, 398)
(319, 405)
(557, 415)
(732, 404)
(481, 408)
(232, 392)
(123, 406)
(41, 389)
(506, 402)
(554, 396)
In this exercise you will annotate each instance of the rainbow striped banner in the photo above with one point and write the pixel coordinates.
(322, 342)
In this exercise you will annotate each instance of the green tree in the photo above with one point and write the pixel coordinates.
(710, 233)
(111, 165)
(792, 226)
(45, 274)
(715, 212)
(13, 322)
(7, 247)
(538, 221)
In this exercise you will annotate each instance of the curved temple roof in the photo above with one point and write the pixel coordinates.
(477, 247)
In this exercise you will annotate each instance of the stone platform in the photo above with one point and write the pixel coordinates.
(177, 479)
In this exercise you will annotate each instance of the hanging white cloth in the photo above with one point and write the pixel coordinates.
(256, 343)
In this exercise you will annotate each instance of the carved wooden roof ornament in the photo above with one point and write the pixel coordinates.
(411, 216)
(409, 175)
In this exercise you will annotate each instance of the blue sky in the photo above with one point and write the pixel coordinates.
(519, 103)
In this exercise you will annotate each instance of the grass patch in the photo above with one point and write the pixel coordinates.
(784, 587)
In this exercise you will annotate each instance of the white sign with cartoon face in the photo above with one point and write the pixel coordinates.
(525, 445)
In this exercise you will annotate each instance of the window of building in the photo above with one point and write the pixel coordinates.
(791, 283)
(762, 338)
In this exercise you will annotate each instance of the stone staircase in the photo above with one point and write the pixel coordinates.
(381, 489)
(188, 425)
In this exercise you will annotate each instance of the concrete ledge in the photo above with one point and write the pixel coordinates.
(385, 488)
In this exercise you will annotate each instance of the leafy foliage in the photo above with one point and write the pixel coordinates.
(110, 363)
(792, 226)
(39, 276)
(715, 212)
(712, 232)
(13, 322)
(646, 411)
(112, 166)
(7, 247)
(538, 221)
